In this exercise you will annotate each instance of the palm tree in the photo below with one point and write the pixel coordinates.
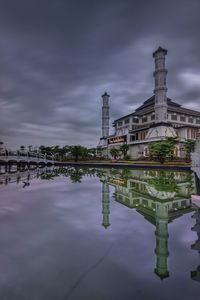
(76, 151)
(124, 149)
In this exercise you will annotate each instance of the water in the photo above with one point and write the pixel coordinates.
(99, 234)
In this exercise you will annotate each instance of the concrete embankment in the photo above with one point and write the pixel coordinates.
(141, 165)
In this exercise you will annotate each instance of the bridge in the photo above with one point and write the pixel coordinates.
(25, 158)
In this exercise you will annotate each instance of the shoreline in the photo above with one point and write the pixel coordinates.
(131, 165)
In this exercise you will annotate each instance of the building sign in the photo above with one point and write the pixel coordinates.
(117, 139)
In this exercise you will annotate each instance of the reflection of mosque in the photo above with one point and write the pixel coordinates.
(195, 275)
(159, 196)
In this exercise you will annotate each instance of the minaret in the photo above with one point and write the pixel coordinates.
(161, 128)
(160, 90)
(161, 240)
(105, 204)
(105, 115)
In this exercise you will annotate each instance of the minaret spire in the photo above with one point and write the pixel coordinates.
(160, 90)
(105, 115)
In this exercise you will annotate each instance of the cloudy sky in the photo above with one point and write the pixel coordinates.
(57, 57)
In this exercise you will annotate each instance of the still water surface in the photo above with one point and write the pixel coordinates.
(99, 234)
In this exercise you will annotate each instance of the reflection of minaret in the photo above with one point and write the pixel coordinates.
(161, 241)
(195, 275)
(105, 204)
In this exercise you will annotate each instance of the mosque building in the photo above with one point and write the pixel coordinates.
(156, 119)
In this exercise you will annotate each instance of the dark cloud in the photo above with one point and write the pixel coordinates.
(58, 57)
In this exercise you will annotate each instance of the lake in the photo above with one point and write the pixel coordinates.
(112, 234)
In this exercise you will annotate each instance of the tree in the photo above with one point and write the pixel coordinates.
(173, 141)
(76, 176)
(124, 149)
(77, 151)
(189, 147)
(114, 152)
(161, 151)
(99, 151)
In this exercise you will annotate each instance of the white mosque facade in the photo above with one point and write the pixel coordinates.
(157, 118)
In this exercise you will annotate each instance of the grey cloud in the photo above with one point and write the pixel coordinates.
(58, 57)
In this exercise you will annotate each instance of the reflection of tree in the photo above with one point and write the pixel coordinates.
(125, 174)
(76, 176)
(164, 182)
(189, 178)
(47, 176)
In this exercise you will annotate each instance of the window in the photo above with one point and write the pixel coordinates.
(175, 205)
(193, 133)
(153, 117)
(182, 118)
(144, 119)
(142, 135)
(135, 120)
(135, 127)
(120, 123)
(134, 137)
(183, 203)
(190, 120)
(197, 121)
(174, 117)
(126, 121)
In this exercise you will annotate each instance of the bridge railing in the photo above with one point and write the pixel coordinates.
(26, 155)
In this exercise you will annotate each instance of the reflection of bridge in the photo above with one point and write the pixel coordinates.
(24, 176)
(17, 157)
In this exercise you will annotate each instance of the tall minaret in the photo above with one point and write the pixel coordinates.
(162, 128)
(160, 90)
(105, 115)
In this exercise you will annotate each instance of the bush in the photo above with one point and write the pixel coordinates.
(144, 158)
(127, 157)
